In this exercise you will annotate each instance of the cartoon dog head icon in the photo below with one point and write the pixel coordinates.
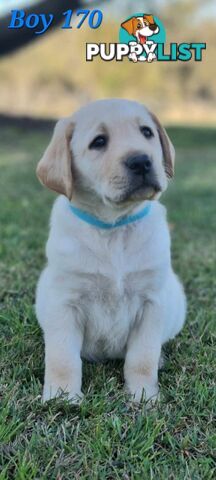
(141, 27)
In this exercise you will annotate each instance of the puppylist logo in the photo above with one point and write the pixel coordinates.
(142, 33)
(142, 38)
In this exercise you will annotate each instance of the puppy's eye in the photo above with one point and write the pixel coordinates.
(147, 132)
(99, 142)
(139, 25)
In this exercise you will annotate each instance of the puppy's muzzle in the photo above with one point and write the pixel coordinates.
(141, 172)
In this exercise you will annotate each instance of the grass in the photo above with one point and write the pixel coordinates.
(107, 438)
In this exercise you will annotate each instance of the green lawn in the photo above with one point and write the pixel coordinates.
(107, 438)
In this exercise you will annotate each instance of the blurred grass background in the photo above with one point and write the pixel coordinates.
(51, 77)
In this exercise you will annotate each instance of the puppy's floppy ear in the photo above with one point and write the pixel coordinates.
(54, 169)
(129, 25)
(149, 18)
(167, 147)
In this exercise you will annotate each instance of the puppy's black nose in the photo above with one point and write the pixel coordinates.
(139, 164)
(153, 27)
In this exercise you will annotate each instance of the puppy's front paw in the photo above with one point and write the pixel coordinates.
(146, 391)
(151, 57)
(50, 392)
(133, 57)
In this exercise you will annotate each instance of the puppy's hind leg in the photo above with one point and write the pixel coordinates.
(176, 306)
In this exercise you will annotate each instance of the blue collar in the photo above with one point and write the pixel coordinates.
(91, 220)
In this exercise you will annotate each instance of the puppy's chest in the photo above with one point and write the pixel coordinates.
(109, 291)
(109, 304)
(105, 290)
(109, 279)
(108, 282)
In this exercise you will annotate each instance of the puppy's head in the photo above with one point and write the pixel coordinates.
(141, 27)
(113, 150)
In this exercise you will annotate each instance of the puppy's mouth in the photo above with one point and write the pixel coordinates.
(145, 192)
(138, 194)
(142, 38)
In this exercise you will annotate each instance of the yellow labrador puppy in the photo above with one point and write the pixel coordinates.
(108, 290)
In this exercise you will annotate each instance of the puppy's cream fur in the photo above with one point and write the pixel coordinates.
(106, 293)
